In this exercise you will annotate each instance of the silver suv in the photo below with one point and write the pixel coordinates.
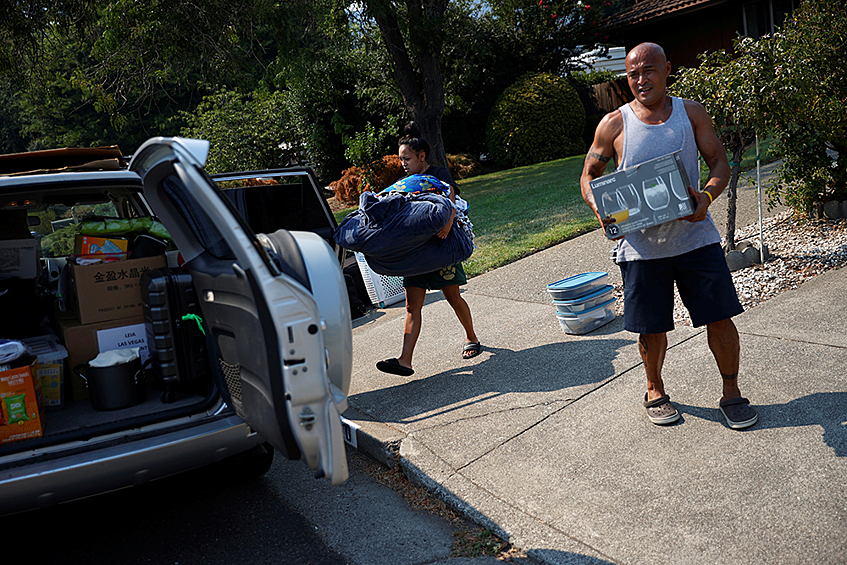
(270, 362)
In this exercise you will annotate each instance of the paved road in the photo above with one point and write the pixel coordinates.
(216, 516)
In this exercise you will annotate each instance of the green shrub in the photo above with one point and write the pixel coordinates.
(790, 86)
(539, 118)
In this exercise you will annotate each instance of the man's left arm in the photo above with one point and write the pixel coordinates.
(713, 153)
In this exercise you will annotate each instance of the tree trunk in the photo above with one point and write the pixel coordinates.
(732, 199)
(422, 89)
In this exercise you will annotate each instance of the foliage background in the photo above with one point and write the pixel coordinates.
(791, 86)
(307, 78)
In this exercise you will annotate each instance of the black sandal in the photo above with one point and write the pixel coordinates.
(473, 348)
(393, 367)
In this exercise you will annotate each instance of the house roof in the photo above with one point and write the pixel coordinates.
(644, 11)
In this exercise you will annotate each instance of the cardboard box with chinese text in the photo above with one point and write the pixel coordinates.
(111, 291)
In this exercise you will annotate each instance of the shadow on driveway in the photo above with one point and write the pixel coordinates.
(565, 369)
(825, 409)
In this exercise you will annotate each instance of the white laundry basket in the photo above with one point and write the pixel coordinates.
(383, 290)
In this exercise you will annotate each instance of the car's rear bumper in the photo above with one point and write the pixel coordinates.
(136, 461)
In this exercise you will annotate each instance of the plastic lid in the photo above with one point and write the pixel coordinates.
(577, 281)
(586, 297)
(46, 348)
(584, 312)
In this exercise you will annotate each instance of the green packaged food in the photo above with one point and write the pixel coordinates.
(15, 408)
(124, 226)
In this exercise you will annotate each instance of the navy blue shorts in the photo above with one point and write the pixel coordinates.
(702, 278)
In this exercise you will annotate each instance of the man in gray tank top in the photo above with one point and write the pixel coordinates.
(686, 252)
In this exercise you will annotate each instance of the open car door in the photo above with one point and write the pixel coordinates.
(273, 199)
(274, 305)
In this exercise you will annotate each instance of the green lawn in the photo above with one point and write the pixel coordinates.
(520, 211)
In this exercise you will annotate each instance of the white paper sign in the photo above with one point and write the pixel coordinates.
(124, 337)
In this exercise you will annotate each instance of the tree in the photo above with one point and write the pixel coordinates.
(491, 45)
(28, 28)
(541, 36)
(804, 85)
(123, 70)
(792, 86)
(550, 34)
(420, 83)
(132, 64)
(246, 132)
(11, 121)
(726, 87)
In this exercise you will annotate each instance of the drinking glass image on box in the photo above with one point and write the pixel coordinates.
(646, 195)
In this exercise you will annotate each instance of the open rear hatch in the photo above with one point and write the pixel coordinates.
(261, 321)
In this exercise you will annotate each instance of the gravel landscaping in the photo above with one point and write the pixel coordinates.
(799, 250)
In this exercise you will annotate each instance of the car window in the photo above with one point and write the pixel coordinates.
(281, 202)
(55, 226)
(198, 222)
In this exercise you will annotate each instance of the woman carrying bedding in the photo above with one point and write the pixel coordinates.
(413, 150)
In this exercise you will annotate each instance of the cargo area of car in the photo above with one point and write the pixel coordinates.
(67, 314)
(73, 415)
(78, 420)
(106, 276)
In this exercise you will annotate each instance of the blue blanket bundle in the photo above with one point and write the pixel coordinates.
(396, 233)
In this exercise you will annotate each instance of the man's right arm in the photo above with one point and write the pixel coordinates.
(602, 150)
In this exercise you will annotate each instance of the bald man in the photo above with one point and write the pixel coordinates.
(686, 252)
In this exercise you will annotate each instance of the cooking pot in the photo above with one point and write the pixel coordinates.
(114, 387)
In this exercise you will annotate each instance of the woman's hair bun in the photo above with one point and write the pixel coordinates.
(411, 129)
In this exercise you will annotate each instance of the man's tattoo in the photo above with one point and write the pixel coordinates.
(642, 346)
(731, 377)
(599, 157)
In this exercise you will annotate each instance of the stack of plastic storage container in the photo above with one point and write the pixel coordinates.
(583, 302)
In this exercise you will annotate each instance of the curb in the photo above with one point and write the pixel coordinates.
(391, 447)
(375, 439)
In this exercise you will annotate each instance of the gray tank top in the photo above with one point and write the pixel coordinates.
(642, 142)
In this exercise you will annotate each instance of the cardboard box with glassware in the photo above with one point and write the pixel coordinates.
(110, 291)
(649, 194)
